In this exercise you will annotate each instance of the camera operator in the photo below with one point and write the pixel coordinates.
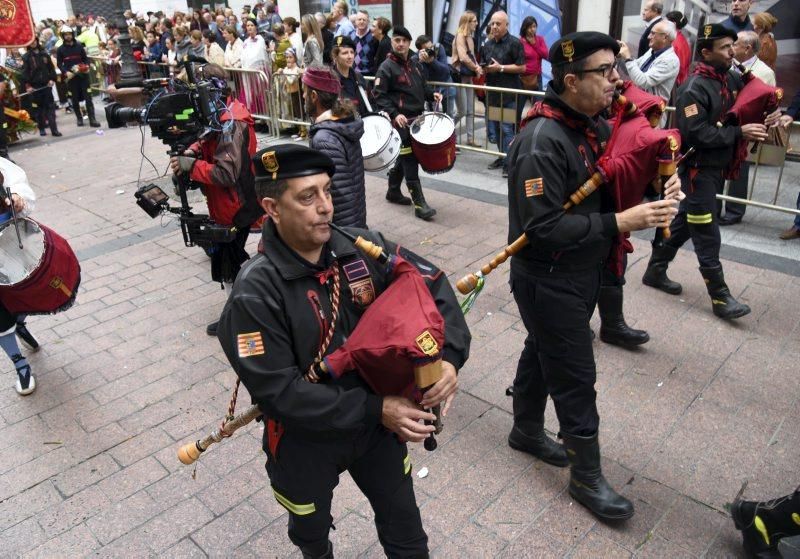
(220, 163)
(435, 68)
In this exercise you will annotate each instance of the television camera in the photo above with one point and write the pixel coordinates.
(178, 113)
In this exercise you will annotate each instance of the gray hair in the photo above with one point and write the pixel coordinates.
(669, 28)
(750, 38)
(657, 7)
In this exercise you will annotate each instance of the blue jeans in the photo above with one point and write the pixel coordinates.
(499, 133)
(797, 217)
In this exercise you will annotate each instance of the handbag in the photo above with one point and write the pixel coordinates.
(530, 81)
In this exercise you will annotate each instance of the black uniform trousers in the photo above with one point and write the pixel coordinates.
(304, 474)
(406, 165)
(44, 109)
(557, 359)
(696, 217)
(80, 90)
(738, 189)
(7, 319)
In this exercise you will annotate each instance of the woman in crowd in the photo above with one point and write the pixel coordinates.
(278, 47)
(290, 25)
(464, 60)
(197, 22)
(291, 88)
(254, 57)
(681, 46)
(197, 47)
(763, 24)
(535, 51)
(312, 48)
(137, 41)
(182, 42)
(233, 50)
(344, 55)
(380, 30)
(214, 52)
(171, 55)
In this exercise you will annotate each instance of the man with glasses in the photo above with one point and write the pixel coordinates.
(503, 60)
(703, 99)
(556, 278)
(651, 14)
(656, 70)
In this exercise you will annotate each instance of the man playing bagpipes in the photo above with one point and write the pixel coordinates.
(295, 303)
(702, 102)
(556, 277)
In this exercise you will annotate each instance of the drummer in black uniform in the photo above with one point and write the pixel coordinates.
(556, 278)
(702, 101)
(401, 91)
(272, 329)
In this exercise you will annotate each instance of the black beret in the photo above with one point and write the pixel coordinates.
(714, 31)
(400, 31)
(343, 41)
(576, 46)
(285, 161)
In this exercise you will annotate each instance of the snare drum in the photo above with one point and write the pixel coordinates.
(40, 278)
(380, 143)
(433, 141)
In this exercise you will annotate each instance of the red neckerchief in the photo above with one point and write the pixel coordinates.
(405, 64)
(548, 111)
(708, 71)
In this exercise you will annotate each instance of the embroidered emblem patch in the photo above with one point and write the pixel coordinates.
(363, 292)
(250, 344)
(534, 187)
(355, 270)
(690, 111)
(707, 31)
(427, 343)
(568, 50)
(270, 162)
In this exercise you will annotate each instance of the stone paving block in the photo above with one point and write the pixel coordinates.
(174, 524)
(264, 502)
(77, 542)
(532, 544)
(235, 487)
(73, 511)
(21, 537)
(658, 547)
(179, 486)
(565, 521)
(28, 503)
(472, 541)
(691, 525)
(34, 472)
(122, 517)
(727, 544)
(354, 535)
(225, 533)
(93, 420)
(140, 446)
(348, 498)
(90, 444)
(595, 546)
(186, 549)
(85, 474)
(133, 478)
(270, 542)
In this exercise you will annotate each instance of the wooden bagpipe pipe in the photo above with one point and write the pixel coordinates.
(396, 348)
(635, 153)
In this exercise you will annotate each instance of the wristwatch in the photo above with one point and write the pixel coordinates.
(502, 69)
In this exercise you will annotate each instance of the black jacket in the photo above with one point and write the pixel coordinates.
(340, 140)
(37, 68)
(271, 326)
(68, 56)
(546, 156)
(400, 87)
(698, 109)
(382, 50)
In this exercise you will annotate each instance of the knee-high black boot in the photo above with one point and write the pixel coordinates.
(764, 523)
(723, 303)
(421, 208)
(656, 273)
(587, 484)
(394, 195)
(613, 328)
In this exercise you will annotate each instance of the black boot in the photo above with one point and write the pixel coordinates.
(764, 523)
(90, 113)
(421, 208)
(725, 306)
(309, 553)
(587, 484)
(536, 443)
(211, 329)
(656, 273)
(394, 194)
(613, 329)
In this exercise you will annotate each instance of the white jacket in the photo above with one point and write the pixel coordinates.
(659, 79)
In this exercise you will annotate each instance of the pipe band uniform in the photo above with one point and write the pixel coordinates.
(292, 307)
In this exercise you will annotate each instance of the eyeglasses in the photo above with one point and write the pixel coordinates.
(657, 33)
(607, 70)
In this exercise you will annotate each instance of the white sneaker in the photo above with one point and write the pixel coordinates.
(26, 384)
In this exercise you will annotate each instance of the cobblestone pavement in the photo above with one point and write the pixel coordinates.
(89, 464)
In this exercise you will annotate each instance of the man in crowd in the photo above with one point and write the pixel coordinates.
(745, 51)
(401, 92)
(435, 68)
(220, 163)
(503, 58)
(651, 14)
(702, 101)
(270, 330)
(365, 43)
(657, 69)
(74, 65)
(792, 114)
(340, 13)
(739, 20)
(556, 277)
(38, 77)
